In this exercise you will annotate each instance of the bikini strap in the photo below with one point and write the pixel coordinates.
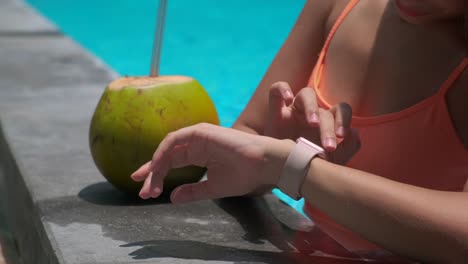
(453, 77)
(318, 70)
(317, 75)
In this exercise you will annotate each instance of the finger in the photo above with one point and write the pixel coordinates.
(327, 130)
(348, 147)
(305, 103)
(155, 186)
(179, 157)
(280, 95)
(186, 146)
(195, 192)
(343, 115)
(145, 190)
(141, 173)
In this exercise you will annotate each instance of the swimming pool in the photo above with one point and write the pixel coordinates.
(226, 45)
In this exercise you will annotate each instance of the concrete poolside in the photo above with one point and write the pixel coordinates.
(15, 20)
(59, 209)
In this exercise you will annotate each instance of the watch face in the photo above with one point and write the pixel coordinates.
(310, 144)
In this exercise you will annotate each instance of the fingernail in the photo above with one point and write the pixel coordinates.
(340, 131)
(134, 176)
(143, 195)
(330, 143)
(314, 119)
(289, 94)
(174, 195)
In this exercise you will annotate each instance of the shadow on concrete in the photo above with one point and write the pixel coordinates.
(261, 224)
(103, 193)
(195, 250)
(256, 218)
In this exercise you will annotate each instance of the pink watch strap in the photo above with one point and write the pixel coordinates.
(296, 167)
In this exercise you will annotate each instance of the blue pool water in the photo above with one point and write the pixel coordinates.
(226, 45)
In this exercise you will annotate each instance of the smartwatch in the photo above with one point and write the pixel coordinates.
(297, 165)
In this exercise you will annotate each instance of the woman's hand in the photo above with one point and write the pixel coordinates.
(237, 162)
(293, 116)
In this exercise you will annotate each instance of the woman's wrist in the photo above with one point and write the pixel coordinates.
(313, 171)
(276, 154)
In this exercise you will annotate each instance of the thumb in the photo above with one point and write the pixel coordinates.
(280, 95)
(196, 191)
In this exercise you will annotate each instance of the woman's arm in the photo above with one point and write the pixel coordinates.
(420, 223)
(293, 63)
(416, 222)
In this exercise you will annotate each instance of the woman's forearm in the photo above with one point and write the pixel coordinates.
(409, 220)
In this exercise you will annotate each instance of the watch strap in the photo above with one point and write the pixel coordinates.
(296, 167)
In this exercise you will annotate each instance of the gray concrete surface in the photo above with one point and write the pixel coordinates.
(60, 208)
(18, 19)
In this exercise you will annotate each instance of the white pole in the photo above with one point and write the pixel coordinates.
(158, 37)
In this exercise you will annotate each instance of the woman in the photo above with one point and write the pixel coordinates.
(400, 66)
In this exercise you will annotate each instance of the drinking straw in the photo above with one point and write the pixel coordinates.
(158, 36)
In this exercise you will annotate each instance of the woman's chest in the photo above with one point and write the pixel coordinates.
(380, 65)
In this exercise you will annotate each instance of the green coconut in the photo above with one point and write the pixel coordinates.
(133, 116)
